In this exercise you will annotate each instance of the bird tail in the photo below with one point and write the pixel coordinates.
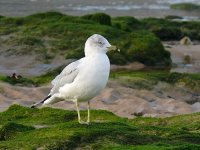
(40, 102)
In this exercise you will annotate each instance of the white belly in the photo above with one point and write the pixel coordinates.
(91, 80)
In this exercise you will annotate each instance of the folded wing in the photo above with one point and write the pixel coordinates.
(67, 76)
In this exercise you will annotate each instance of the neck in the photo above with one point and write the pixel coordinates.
(89, 52)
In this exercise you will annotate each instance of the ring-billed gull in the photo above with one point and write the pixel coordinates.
(83, 79)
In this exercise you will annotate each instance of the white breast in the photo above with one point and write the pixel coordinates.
(92, 78)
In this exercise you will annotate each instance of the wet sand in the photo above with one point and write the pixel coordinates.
(162, 101)
(178, 52)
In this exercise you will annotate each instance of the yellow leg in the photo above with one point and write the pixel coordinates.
(88, 119)
(79, 116)
(78, 111)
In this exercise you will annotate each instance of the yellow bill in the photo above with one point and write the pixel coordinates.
(113, 48)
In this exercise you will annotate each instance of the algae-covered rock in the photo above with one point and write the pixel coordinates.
(9, 130)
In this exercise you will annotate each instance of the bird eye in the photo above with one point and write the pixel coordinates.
(100, 43)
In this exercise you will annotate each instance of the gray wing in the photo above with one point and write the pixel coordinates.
(68, 75)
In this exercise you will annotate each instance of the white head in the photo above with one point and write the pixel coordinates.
(97, 44)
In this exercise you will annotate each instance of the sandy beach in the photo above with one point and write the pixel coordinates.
(162, 101)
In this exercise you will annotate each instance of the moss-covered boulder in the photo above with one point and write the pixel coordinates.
(186, 6)
(100, 18)
(61, 131)
(127, 23)
(171, 17)
(145, 47)
(9, 130)
(163, 28)
(167, 29)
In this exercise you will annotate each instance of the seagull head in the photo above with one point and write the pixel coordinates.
(97, 44)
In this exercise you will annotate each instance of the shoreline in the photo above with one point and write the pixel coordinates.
(138, 9)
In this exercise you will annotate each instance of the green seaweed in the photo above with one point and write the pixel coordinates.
(50, 128)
